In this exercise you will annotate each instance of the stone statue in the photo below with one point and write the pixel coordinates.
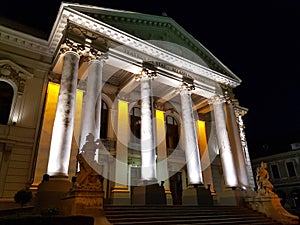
(87, 177)
(264, 186)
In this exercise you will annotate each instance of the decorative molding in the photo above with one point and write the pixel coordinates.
(216, 99)
(134, 43)
(25, 41)
(145, 74)
(14, 73)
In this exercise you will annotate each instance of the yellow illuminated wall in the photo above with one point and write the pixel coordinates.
(46, 133)
(202, 136)
(160, 127)
(204, 153)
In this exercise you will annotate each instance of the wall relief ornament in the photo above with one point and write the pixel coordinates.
(14, 73)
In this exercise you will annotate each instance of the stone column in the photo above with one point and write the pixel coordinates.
(148, 150)
(60, 149)
(92, 103)
(190, 138)
(226, 154)
(234, 135)
(53, 188)
(240, 112)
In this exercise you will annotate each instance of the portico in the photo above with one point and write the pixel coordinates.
(148, 100)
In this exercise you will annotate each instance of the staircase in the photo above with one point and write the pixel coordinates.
(141, 215)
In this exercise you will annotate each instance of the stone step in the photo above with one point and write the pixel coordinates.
(158, 214)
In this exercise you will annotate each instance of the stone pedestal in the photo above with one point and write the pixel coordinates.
(232, 196)
(270, 206)
(168, 194)
(85, 202)
(197, 195)
(149, 195)
(50, 192)
(120, 195)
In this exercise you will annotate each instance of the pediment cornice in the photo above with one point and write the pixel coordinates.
(24, 41)
(153, 27)
(68, 14)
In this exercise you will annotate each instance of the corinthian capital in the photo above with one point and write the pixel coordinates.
(216, 99)
(145, 74)
(89, 53)
(240, 111)
(70, 45)
(187, 85)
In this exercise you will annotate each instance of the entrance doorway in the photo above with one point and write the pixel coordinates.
(176, 188)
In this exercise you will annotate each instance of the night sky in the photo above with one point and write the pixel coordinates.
(258, 40)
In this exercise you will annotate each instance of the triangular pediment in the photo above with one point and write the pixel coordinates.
(161, 31)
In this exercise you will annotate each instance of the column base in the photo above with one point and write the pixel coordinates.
(152, 194)
(169, 200)
(197, 195)
(120, 195)
(232, 196)
(83, 202)
(50, 193)
(87, 203)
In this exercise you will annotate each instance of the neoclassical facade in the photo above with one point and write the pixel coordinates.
(139, 95)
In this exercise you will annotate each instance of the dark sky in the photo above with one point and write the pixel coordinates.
(258, 40)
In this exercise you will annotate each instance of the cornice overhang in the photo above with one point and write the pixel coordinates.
(121, 18)
(25, 41)
(68, 14)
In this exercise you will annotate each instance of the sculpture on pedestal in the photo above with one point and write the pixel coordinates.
(264, 186)
(87, 177)
(266, 201)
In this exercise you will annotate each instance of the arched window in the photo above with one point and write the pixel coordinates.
(172, 137)
(135, 124)
(104, 120)
(6, 99)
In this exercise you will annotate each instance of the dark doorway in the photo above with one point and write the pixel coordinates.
(176, 188)
(6, 98)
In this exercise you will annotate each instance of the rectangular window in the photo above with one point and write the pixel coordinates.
(275, 171)
(291, 169)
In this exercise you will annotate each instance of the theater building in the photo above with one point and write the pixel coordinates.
(148, 99)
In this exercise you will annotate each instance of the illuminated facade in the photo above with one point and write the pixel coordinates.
(149, 101)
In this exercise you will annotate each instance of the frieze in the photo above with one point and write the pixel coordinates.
(165, 65)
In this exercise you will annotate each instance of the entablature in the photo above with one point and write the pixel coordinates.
(135, 47)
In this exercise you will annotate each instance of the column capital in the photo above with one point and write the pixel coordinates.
(85, 50)
(70, 46)
(240, 111)
(186, 87)
(89, 53)
(216, 99)
(146, 74)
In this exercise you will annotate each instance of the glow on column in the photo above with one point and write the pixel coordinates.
(224, 145)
